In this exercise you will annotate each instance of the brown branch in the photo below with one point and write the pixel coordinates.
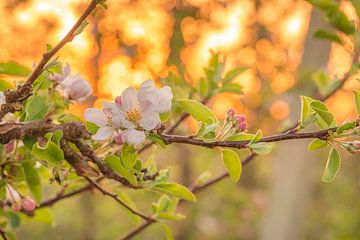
(14, 98)
(116, 198)
(3, 234)
(137, 230)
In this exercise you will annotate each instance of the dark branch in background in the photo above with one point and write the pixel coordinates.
(14, 98)
(136, 231)
(3, 234)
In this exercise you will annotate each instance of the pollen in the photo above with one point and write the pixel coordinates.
(133, 115)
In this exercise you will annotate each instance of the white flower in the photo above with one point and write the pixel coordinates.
(2, 98)
(77, 87)
(141, 109)
(103, 120)
(132, 136)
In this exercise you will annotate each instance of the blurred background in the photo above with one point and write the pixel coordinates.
(280, 196)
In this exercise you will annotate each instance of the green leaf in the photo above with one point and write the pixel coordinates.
(13, 68)
(256, 137)
(203, 87)
(33, 181)
(232, 87)
(240, 137)
(14, 219)
(157, 139)
(323, 34)
(129, 155)
(207, 131)
(169, 216)
(322, 81)
(43, 215)
(229, 77)
(50, 152)
(198, 110)
(58, 134)
(307, 114)
(316, 144)
(332, 166)
(36, 108)
(339, 20)
(261, 148)
(114, 162)
(5, 85)
(168, 231)
(165, 116)
(357, 102)
(356, 4)
(176, 190)
(346, 126)
(91, 127)
(81, 28)
(232, 163)
(326, 5)
(323, 114)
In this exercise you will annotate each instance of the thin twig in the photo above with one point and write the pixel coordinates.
(116, 198)
(137, 230)
(3, 234)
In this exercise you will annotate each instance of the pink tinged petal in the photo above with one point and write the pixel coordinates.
(242, 126)
(56, 77)
(16, 207)
(103, 133)
(28, 204)
(129, 99)
(79, 89)
(66, 70)
(118, 101)
(2, 98)
(12, 195)
(148, 92)
(96, 116)
(118, 139)
(164, 99)
(127, 124)
(149, 120)
(133, 137)
(9, 147)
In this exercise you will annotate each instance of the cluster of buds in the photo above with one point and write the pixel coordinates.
(238, 121)
(18, 202)
(352, 147)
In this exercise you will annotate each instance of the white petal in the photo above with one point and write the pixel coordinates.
(149, 120)
(147, 92)
(133, 137)
(96, 116)
(80, 89)
(103, 133)
(129, 99)
(164, 100)
(66, 70)
(2, 98)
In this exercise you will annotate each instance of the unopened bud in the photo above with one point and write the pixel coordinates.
(240, 118)
(242, 126)
(231, 113)
(118, 139)
(9, 147)
(42, 141)
(118, 100)
(28, 204)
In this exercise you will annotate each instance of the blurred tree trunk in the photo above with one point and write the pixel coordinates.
(293, 172)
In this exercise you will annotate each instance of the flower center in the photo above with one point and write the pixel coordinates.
(133, 115)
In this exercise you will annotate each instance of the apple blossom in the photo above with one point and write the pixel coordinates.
(13, 197)
(60, 77)
(103, 119)
(77, 87)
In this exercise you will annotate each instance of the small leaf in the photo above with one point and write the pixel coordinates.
(203, 87)
(157, 139)
(323, 34)
(176, 190)
(43, 215)
(168, 231)
(339, 20)
(307, 114)
(91, 127)
(129, 155)
(50, 152)
(332, 166)
(256, 137)
(229, 77)
(240, 137)
(33, 181)
(346, 126)
(232, 163)
(323, 113)
(81, 27)
(261, 148)
(13, 68)
(36, 108)
(114, 162)
(357, 102)
(232, 87)
(198, 110)
(316, 144)
(2, 189)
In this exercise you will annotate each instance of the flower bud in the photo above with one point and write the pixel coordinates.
(240, 118)
(79, 89)
(242, 126)
(118, 100)
(42, 141)
(231, 113)
(9, 147)
(28, 204)
(118, 139)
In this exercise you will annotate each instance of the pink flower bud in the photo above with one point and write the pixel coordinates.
(16, 207)
(118, 100)
(242, 126)
(42, 141)
(240, 118)
(9, 147)
(118, 139)
(28, 204)
(231, 113)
